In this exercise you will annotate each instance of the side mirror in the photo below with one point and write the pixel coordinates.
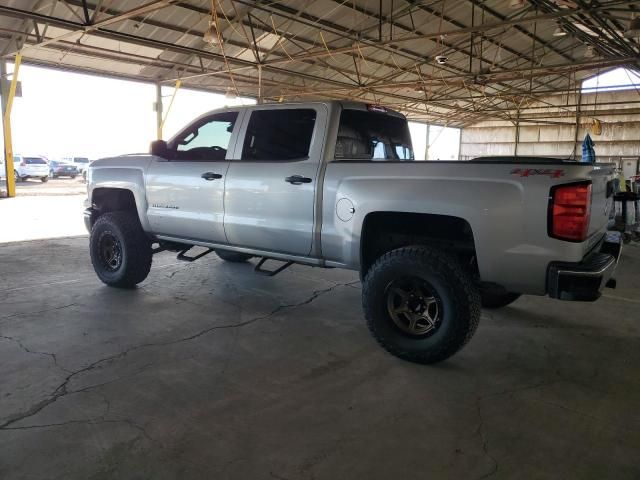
(159, 148)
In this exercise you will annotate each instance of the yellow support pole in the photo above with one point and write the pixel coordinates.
(6, 124)
(173, 97)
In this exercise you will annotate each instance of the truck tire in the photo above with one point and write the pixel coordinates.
(44, 179)
(120, 250)
(420, 304)
(492, 300)
(233, 257)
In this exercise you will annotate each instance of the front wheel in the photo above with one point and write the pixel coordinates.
(17, 176)
(420, 304)
(120, 250)
(493, 300)
(44, 179)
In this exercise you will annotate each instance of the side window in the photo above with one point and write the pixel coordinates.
(206, 140)
(283, 134)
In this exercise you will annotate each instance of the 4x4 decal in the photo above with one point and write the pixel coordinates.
(528, 172)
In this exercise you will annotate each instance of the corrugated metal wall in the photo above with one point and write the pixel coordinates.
(554, 124)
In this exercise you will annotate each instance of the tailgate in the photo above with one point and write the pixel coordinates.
(601, 200)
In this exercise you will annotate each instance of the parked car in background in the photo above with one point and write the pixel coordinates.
(58, 168)
(30, 167)
(82, 163)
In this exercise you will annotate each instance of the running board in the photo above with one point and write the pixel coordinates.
(270, 273)
(185, 258)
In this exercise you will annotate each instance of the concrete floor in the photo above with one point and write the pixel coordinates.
(210, 371)
(43, 210)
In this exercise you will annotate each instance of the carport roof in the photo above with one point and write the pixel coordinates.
(500, 54)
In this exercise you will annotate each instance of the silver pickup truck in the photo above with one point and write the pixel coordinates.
(335, 184)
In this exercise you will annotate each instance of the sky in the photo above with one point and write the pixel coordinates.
(618, 77)
(63, 114)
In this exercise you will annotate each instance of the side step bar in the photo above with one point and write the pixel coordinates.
(182, 255)
(270, 273)
(185, 258)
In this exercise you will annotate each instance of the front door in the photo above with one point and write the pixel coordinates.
(270, 191)
(185, 192)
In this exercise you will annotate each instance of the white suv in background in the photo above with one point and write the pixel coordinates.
(33, 166)
(82, 163)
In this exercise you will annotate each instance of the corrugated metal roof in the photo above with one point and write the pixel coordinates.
(500, 54)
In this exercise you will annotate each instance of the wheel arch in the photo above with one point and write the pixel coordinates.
(106, 199)
(383, 231)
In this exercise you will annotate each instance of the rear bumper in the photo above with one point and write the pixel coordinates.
(584, 281)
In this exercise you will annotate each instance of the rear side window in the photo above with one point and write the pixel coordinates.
(34, 161)
(279, 134)
(372, 136)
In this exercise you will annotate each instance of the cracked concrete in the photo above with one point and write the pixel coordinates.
(210, 371)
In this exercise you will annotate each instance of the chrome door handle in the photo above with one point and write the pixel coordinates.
(297, 180)
(211, 176)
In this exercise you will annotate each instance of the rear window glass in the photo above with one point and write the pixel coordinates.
(279, 134)
(373, 136)
(81, 160)
(34, 161)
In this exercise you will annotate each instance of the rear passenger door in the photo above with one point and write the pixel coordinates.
(270, 191)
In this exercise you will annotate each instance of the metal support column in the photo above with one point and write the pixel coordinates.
(158, 109)
(7, 102)
(515, 149)
(160, 119)
(576, 139)
(426, 148)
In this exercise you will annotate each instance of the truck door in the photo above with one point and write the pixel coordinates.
(185, 192)
(270, 191)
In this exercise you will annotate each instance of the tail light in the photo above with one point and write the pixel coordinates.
(569, 211)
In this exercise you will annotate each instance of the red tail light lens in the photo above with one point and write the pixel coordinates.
(569, 212)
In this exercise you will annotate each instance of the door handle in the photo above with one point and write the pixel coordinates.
(297, 180)
(211, 176)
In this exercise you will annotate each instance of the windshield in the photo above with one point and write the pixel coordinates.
(373, 136)
(81, 160)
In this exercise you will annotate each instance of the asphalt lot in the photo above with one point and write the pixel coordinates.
(43, 210)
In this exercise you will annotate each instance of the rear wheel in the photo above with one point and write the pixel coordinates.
(17, 176)
(493, 300)
(233, 257)
(420, 304)
(120, 250)
(44, 179)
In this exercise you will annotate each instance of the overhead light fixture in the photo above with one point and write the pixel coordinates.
(231, 94)
(515, 4)
(559, 32)
(589, 52)
(441, 59)
(211, 34)
(634, 28)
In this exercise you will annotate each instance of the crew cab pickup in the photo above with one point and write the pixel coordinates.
(335, 184)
